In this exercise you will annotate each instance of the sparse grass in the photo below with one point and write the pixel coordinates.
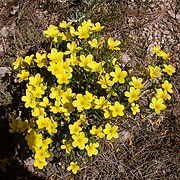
(153, 154)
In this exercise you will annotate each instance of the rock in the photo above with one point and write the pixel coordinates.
(4, 32)
(1, 48)
(124, 136)
(29, 164)
(4, 70)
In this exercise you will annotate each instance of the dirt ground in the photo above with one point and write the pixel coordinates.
(155, 153)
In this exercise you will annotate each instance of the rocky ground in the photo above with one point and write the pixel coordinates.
(155, 152)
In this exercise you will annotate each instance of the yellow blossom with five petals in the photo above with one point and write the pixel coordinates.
(113, 45)
(73, 167)
(157, 105)
(79, 140)
(74, 128)
(133, 94)
(117, 109)
(23, 75)
(111, 131)
(105, 81)
(97, 131)
(167, 86)
(91, 149)
(169, 69)
(137, 83)
(118, 75)
(135, 108)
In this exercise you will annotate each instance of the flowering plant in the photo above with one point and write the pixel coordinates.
(78, 86)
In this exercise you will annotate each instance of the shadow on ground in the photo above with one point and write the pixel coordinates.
(10, 167)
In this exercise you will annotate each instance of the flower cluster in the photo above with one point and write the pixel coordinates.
(76, 90)
(162, 93)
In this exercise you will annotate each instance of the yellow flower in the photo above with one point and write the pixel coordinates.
(72, 48)
(118, 75)
(157, 105)
(135, 108)
(84, 61)
(87, 24)
(89, 97)
(41, 154)
(38, 92)
(169, 69)
(36, 80)
(38, 111)
(29, 100)
(65, 66)
(72, 31)
(107, 112)
(55, 56)
(45, 143)
(117, 109)
(45, 102)
(13, 126)
(136, 82)
(56, 93)
(82, 32)
(24, 75)
(105, 82)
(73, 60)
(67, 145)
(91, 149)
(113, 61)
(42, 122)
(81, 102)
(40, 163)
(43, 86)
(67, 108)
(133, 94)
(73, 167)
(82, 119)
(33, 139)
(54, 68)
(41, 60)
(96, 67)
(28, 59)
(51, 32)
(164, 55)
(17, 63)
(64, 24)
(52, 127)
(56, 108)
(67, 96)
(64, 36)
(162, 94)
(167, 86)
(63, 77)
(101, 103)
(154, 71)
(22, 125)
(79, 140)
(156, 49)
(113, 44)
(74, 128)
(111, 132)
(97, 131)
(97, 27)
(29, 88)
(94, 43)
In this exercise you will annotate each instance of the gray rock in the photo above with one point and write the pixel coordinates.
(4, 70)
